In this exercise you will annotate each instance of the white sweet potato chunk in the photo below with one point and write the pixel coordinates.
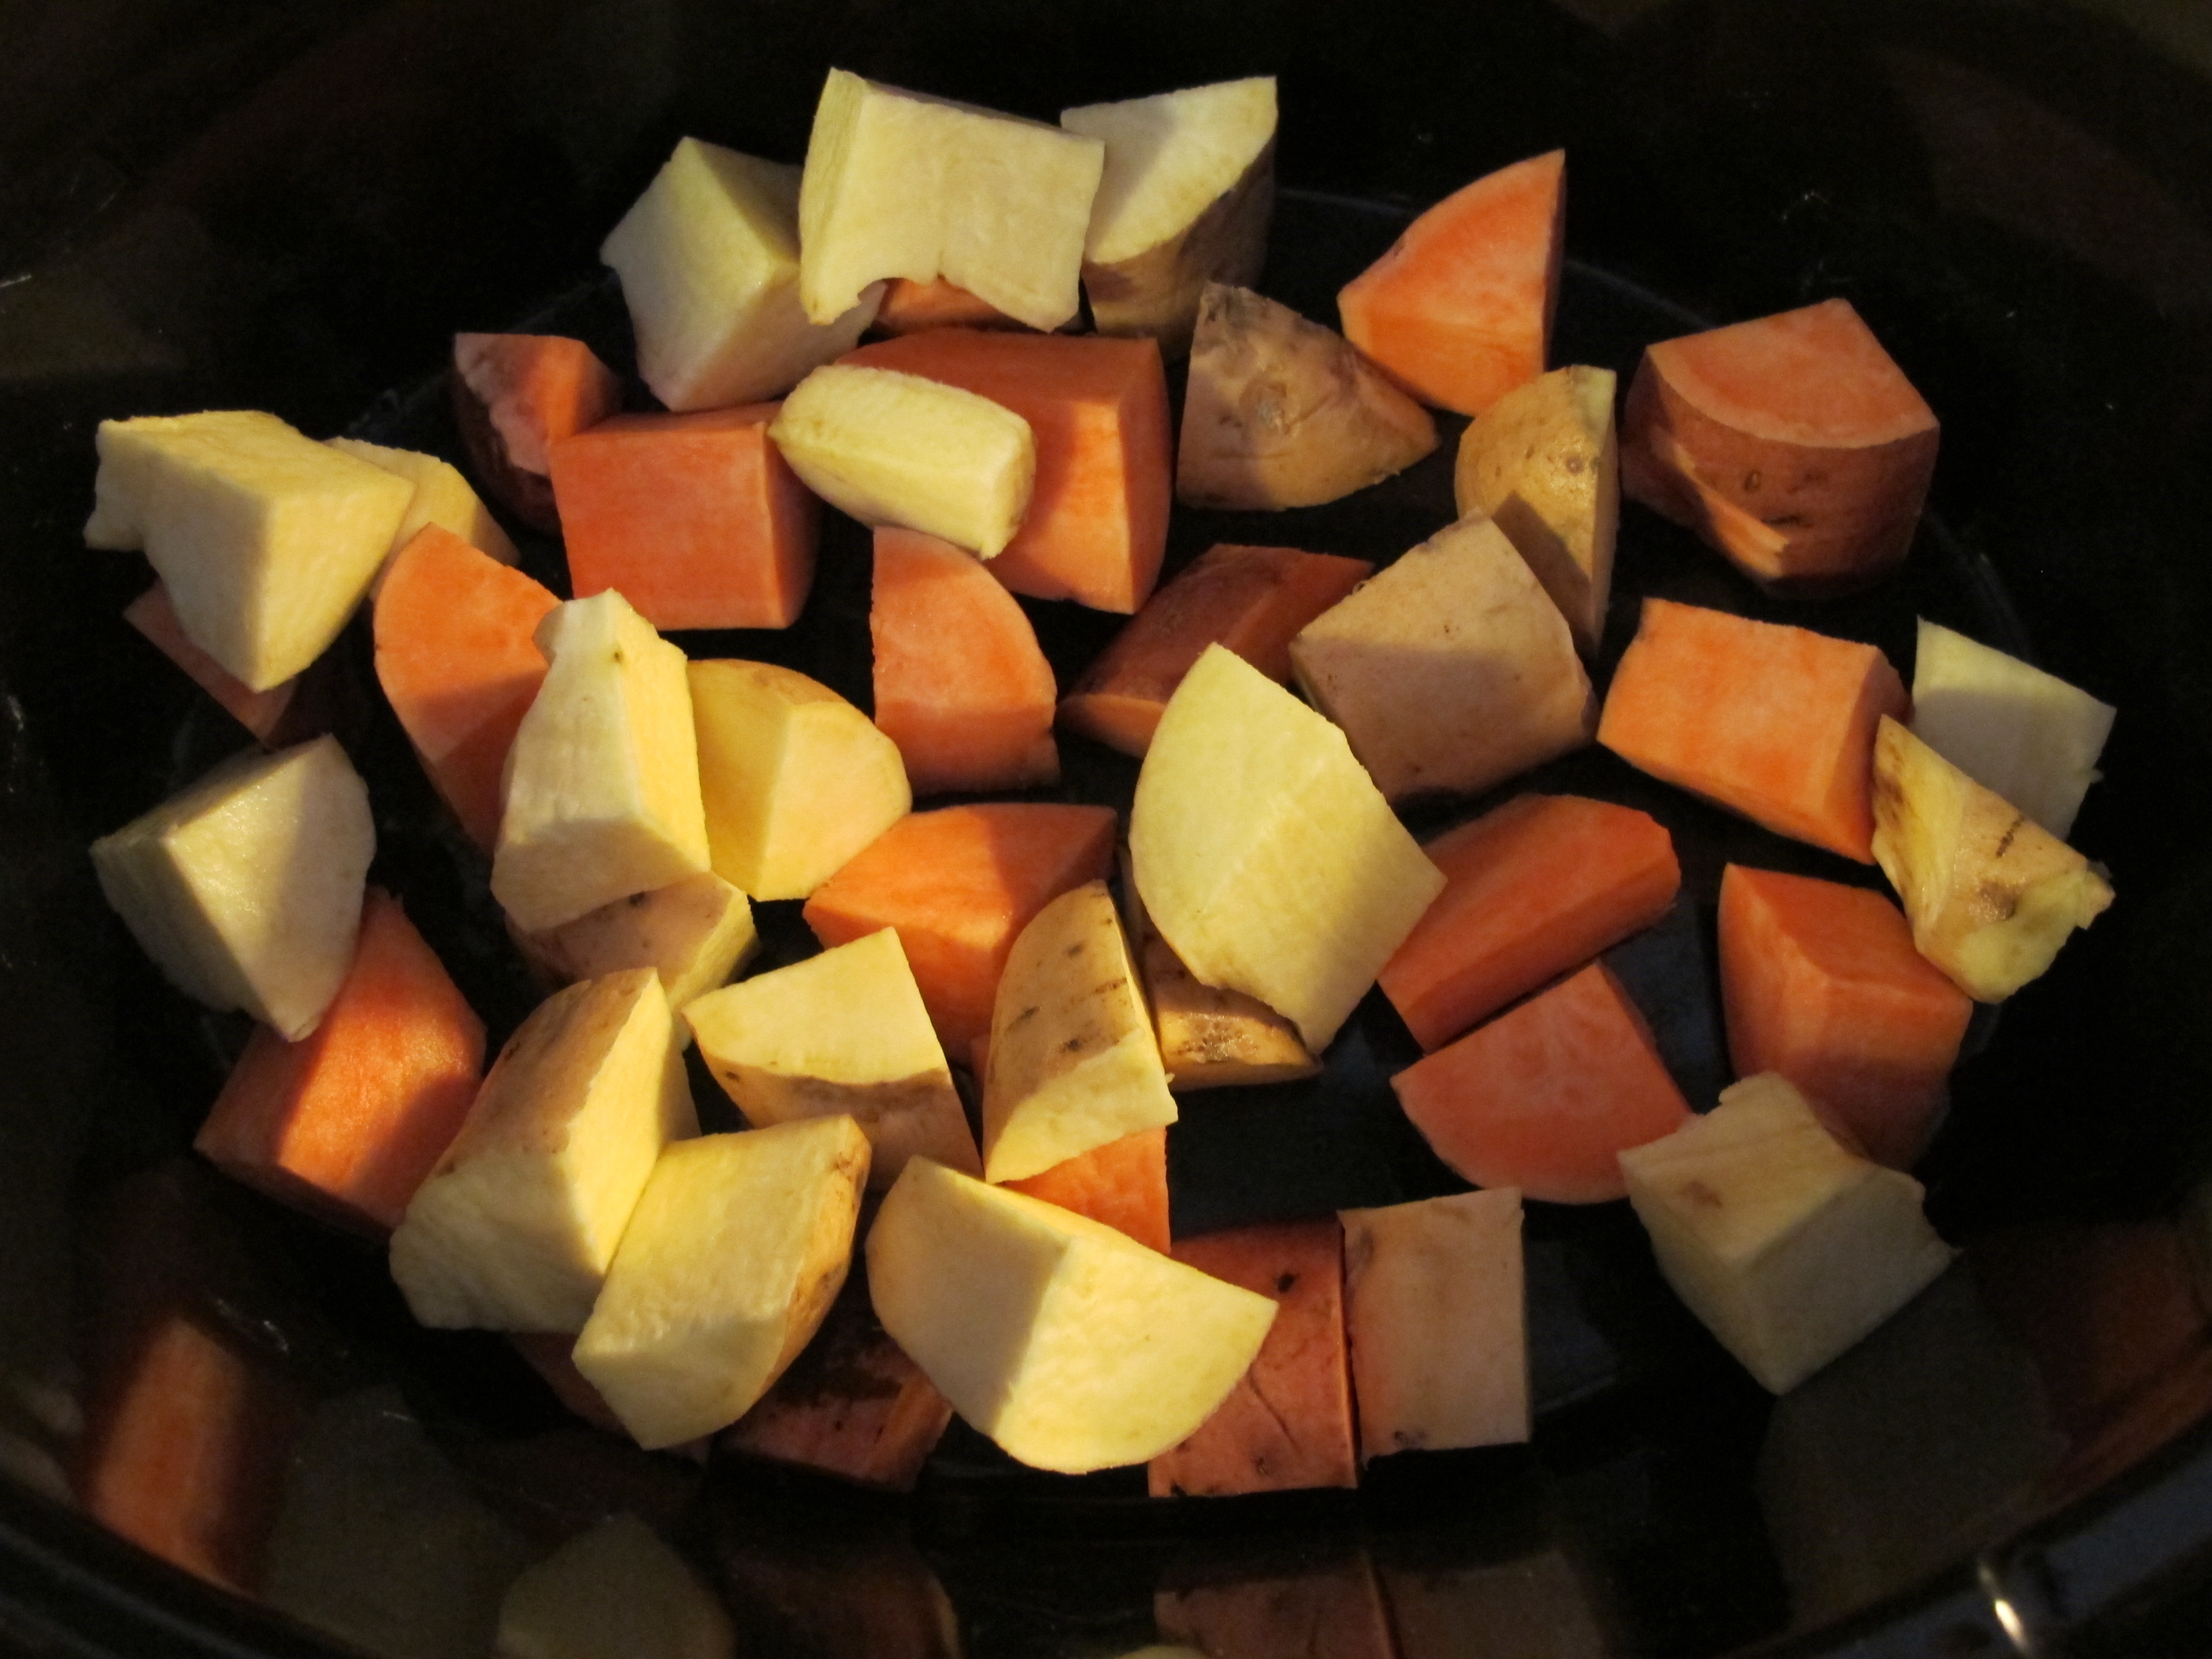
(1991, 895)
(1282, 412)
(613, 1591)
(1451, 670)
(443, 497)
(1544, 462)
(693, 934)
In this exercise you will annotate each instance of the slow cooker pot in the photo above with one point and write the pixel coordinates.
(293, 207)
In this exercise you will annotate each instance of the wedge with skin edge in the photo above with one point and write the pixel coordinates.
(1265, 856)
(1072, 1347)
(708, 260)
(1209, 1038)
(1788, 1247)
(891, 448)
(1073, 1063)
(1188, 189)
(898, 184)
(245, 888)
(516, 1225)
(1544, 462)
(2027, 735)
(693, 934)
(1991, 895)
(842, 1032)
(795, 780)
(603, 780)
(267, 538)
(1282, 412)
(737, 1247)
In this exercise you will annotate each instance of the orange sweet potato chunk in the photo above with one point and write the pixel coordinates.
(1820, 982)
(1793, 444)
(696, 520)
(910, 307)
(1251, 599)
(1097, 521)
(514, 397)
(1123, 1183)
(1547, 1095)
(1288, 1422)
(346, 1123)
(1459, 310)
(961, 684)
(1531, 890)
(1774, 722)
(959, 884)
(457, 656)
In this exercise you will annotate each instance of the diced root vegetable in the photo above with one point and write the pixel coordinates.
(1792, 443)
(697, 519)
(456, 655)
(1288, 1422)
(1251, 599)
(1096, 524)
(961, 684)
(1121, 1183)
(514, 397)
(1281, 412)
(1547, 1095)
(1451, 671)
(693, 934)
(910, 307)
(346, 1122)
(1459, 310)
(1532, 889)
(261, 712)
(959, 884)
(443, 497)
(1821, 983)
(1776, 723)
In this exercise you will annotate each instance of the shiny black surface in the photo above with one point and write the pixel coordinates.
(294, 206)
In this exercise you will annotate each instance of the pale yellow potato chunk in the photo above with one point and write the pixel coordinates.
(1435, 1318)
(1185, 200)
(2026, 735)
(693, 934)
(1544, 461)
(613, 1591)
(267, 538)
(1069, 1344)
(708, 260)
(894, 448)
(603, 780)
(736, 1250)
(1265, 856)
(247, 888)
(898, 184)
(1210, 1038)
(443, 497)
(795, 779)
(1790, 1247)
(516, 1227)
(1991, 894)
(1449, 670)
(1073, 1063)
(846, 1032)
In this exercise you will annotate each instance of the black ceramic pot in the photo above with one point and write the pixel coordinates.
(294, 206)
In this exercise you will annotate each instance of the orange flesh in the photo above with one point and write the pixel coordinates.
(961, 684)
(958, 884)
(1288, 1422)
(909, 308)
(1098, 521)
(1251, 599)
(1776, 723)
(1821, 983)
(1540, 884)
(537, 389)
(346, 1122)
(457, 661)
(152, 615)
(1816, 376)
(1123, 1183)
(1545, 1095)
(696, 520)
(1459, 310)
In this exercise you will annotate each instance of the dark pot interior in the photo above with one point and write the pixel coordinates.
(293, 207)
